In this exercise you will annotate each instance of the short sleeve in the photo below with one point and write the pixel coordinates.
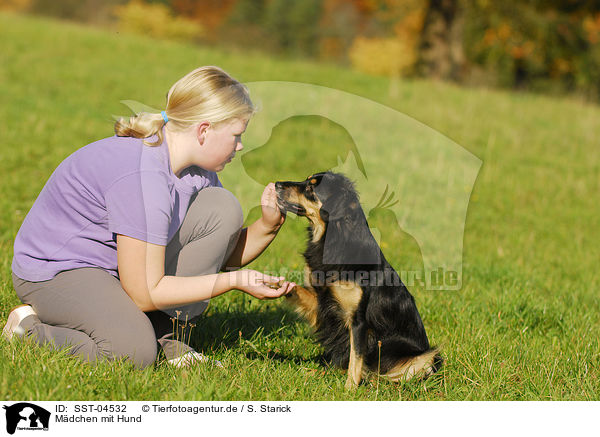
(139, 205)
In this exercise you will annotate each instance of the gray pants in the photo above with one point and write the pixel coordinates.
(88, 311)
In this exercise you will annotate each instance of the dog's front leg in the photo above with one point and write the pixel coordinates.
(306, 303)
(355, 367)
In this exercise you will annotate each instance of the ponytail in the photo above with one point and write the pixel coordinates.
(142, 125)
(205, 94)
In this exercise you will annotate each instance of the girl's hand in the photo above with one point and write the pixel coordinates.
(262, 286)
(271, 215)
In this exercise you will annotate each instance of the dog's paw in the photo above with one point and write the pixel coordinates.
(351, 384)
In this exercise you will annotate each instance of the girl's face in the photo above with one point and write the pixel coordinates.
(221, 142)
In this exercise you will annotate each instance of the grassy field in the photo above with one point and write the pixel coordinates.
(524, 326)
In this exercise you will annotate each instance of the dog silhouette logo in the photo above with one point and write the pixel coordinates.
(26, 416)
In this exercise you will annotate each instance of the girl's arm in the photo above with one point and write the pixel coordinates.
(256, 238)
(141, 271)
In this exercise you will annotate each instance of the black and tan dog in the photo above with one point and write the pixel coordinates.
(363, 315)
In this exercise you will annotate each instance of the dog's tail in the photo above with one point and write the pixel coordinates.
(423, 366)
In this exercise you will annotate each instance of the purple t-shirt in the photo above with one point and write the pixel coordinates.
(113, 186)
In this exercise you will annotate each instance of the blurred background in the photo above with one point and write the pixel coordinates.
(549, 46)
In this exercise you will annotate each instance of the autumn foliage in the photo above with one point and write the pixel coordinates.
(156, 20)
(538, 44)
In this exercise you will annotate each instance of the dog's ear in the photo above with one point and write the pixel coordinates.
(348, 239)
(338, 197)
(334, 207)
(350, 242)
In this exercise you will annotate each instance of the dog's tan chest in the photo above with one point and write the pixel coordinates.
(348, 296)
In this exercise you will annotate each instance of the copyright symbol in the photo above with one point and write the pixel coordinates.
(145, 408)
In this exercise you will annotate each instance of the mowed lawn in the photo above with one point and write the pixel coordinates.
(524, 326)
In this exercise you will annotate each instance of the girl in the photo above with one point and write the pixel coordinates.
(136, 228)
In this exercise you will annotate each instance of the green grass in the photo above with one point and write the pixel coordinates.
(524, 326)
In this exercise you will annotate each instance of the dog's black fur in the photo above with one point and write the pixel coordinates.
(384, 320)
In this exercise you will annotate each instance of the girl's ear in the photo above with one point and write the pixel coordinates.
(201, 131)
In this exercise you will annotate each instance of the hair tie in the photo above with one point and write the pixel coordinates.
(164, 115)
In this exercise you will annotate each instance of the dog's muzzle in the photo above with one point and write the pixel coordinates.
(283, 204)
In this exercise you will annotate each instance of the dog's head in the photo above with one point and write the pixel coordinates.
(330, 203)
(322, 198)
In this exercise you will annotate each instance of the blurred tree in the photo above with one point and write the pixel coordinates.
(440, 50)
(340, 23)
(248, 12)
(156, 20)
(381, 56)
(291, 23)
(541, 45)
(303, 18)
(389, 43)
(210, 13)
(15, 5)
(244, 27)
(537, 45)
(277, 25)
(90, 11)
(276, 22)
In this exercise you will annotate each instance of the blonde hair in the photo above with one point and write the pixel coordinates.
(205, 94)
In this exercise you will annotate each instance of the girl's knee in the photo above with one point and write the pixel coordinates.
(223, 205)
(138, 346)
(144, 355)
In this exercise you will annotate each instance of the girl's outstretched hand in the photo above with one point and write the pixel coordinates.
(271, 214)
(262, 286)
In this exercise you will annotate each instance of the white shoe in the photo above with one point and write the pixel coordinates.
(192, 358)
(15, 319)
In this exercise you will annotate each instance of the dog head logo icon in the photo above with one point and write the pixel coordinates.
(26, 416)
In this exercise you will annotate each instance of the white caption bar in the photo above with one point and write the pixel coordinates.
(298, 418)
